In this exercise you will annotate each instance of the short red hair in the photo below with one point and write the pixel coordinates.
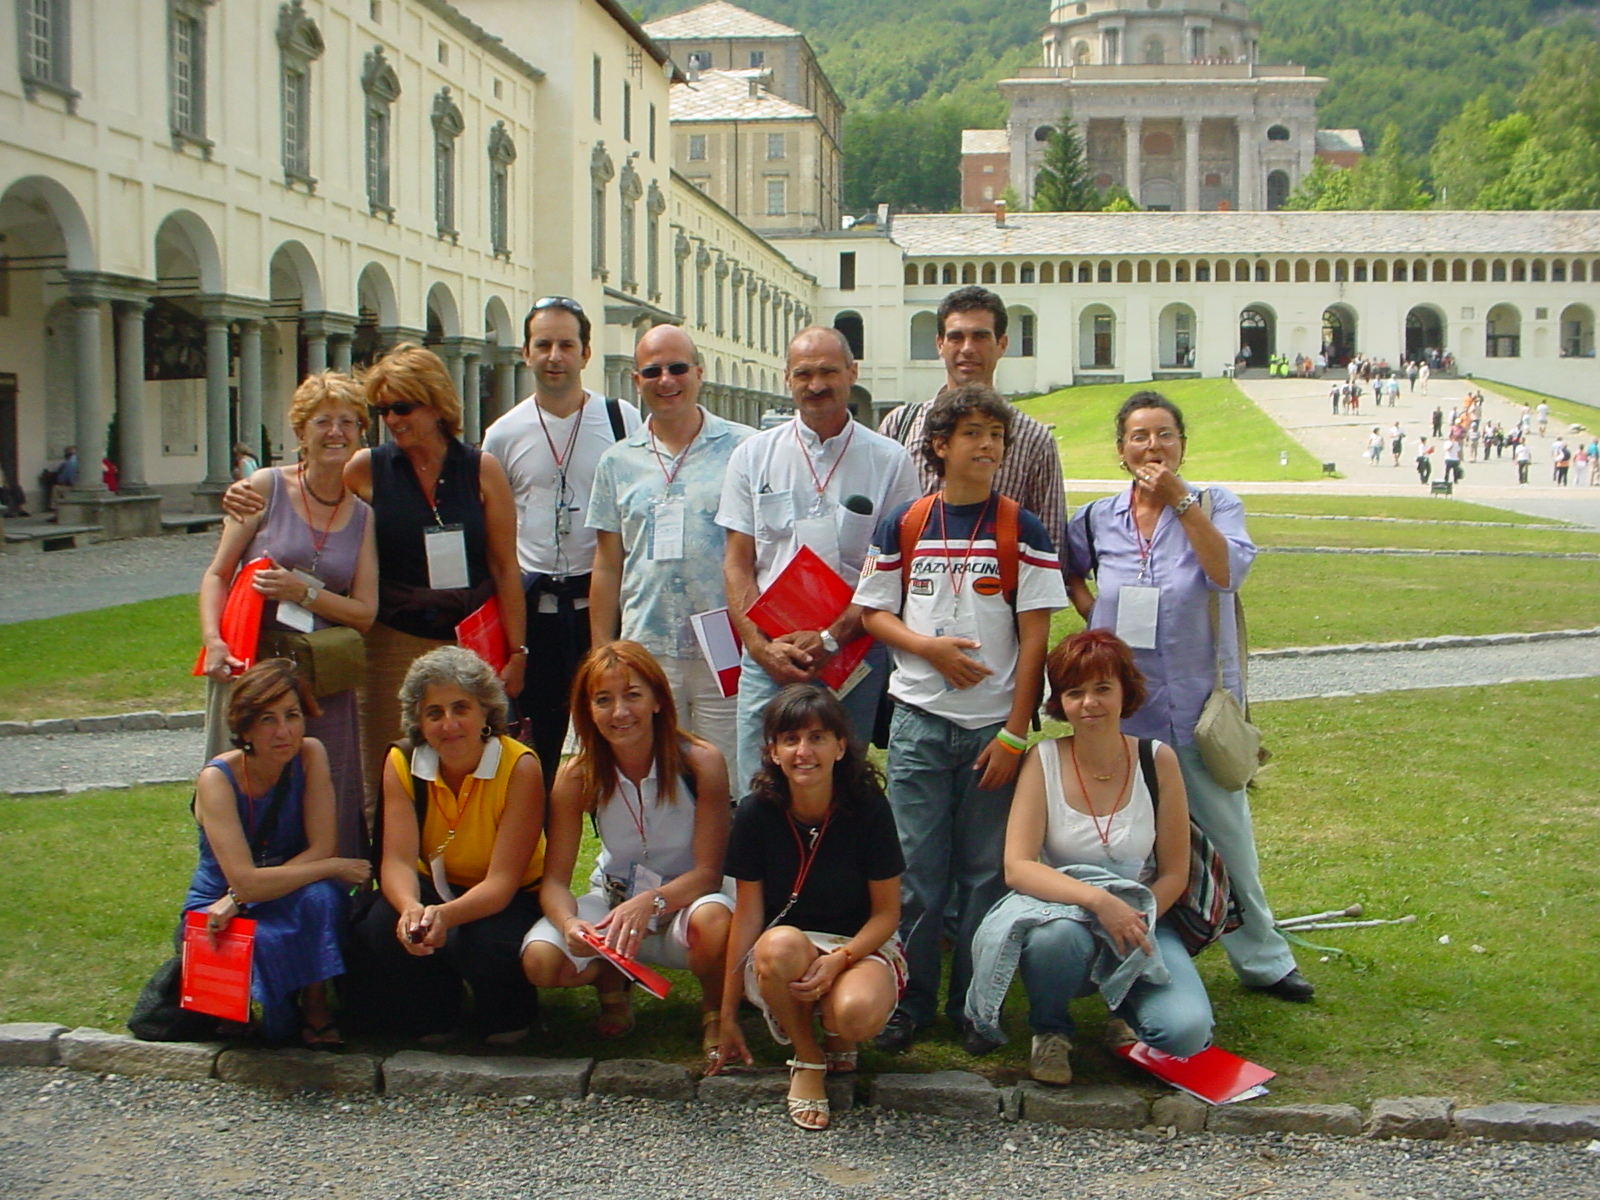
(1087, 656)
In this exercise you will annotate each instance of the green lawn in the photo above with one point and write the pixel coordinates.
(125, 659)
(1229, 436)
(1393, 801)
(1563, 412)
(1282, 531)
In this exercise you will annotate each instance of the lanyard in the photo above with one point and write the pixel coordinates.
(318, 542)
(807, 859)
(1102, 832)
(638, 817)
(435, 791)
(821, 483)
(958, 578)
(563, 459)
(672, 475)
(1146, 545)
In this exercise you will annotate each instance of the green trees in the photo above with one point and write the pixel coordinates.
(1384, 180)
(1063, 183)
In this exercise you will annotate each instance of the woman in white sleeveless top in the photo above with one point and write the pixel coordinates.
(1083, 801)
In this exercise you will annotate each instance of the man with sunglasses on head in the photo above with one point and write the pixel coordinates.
(550, 445)
(658, 553)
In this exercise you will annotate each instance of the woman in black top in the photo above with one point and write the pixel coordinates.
(818, 865)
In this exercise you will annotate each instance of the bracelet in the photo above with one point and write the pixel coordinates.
(237, 903)
(1011, 741)
(1183, 506)
(849, 959)
(516, 650)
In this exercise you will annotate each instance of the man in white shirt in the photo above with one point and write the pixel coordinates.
(550, 445)
(821, 480)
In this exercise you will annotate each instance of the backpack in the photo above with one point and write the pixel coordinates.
(1007, 531)
(1207, 909)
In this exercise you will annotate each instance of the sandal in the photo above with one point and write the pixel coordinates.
(804, 1106)
(711, 1037)
(840, 1062)
(616, 1015)
(315, 1037)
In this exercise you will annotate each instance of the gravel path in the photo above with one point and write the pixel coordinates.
(69, 1135)
(68, 581)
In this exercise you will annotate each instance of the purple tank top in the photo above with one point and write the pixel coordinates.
(290, 542)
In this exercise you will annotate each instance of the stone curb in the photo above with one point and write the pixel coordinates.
(1444, 642)
(137, 722)
(962, 1095)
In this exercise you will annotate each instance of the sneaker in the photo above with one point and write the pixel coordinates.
(898, 1034)
(1119, 1034)
(1050, 1062)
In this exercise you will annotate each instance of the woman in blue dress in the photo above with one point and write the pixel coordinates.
(267, 842)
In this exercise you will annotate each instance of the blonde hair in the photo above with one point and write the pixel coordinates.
(318, 389)
(415, 373)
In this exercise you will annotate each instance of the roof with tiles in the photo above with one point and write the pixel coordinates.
(985, 141)
(1299, 233)
(717, 19)
(725, 96)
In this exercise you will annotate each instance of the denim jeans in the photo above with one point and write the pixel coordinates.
(756, 687)
(1257, 950)
(1172, 1017)
(952, 834)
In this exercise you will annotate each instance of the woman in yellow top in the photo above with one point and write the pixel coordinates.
(460, 885)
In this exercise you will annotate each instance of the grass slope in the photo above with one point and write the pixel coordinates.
(1563, 412)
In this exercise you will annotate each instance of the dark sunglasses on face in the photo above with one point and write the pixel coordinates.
(400, 408)
(654, 370)
(566, 302)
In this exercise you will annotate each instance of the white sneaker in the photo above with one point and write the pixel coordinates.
(1050, 1062)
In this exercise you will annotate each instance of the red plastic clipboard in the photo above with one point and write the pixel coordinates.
(240, 625)
(652, 981)
(216, 967)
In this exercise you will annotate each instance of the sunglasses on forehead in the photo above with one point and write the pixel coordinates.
(655, 370)
(566, 302)
(400, 408)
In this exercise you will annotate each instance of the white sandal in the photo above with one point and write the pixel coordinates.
(799, 1107)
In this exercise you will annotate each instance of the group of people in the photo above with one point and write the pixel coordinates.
(823, 896)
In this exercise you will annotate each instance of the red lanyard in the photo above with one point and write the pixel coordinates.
(807, 858)
(822, 484)
(957, 578)
(1146, 545)
(468, 787)
(317, 543)
(638, 817)
(565, 456)
(1103, 833)
(683, 458)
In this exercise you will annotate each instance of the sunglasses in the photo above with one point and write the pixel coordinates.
(655, 370)
(566, 302)
(400, 408)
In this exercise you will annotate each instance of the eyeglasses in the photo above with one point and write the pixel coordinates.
(400, 408)
(1143, 437)
(566, 302)
(654, 370)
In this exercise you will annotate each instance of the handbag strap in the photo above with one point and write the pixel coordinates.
(1147, 768)
(269, 819)
(1207, 504)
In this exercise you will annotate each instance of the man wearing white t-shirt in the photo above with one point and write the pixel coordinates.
(821, 480)
(550, 445)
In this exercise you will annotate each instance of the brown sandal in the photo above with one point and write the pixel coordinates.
(616, 1015)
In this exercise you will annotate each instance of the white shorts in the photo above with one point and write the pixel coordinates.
(889, 954)
(665, 947)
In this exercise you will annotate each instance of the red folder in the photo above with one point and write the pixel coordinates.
(240, 624)
(483, 634)
(809, 594)
(648, 978)
(216, 967)
(1213, 1075)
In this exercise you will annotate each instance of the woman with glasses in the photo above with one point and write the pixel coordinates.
(319, 536)
(1166, 558)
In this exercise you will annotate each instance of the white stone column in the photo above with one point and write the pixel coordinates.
(250, 387)
(89, 421)
(341, 352)
(130, 397)
(1132, 132)
(1250, 199)
(505, 389)
(471, 399)
(219, 452)
(316, 352)
(1191, 164)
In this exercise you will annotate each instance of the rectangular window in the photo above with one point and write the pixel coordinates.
(378, 157)
(699, 60)
(444, 54)
(627, 111)
(296, 105)
(499, 208)
(1197, 44)
(775, 146)
(444, 187)
(375, 11)
(1110, 46)
(652, 133)
(42, 36)
(187, 74)
(758, 58)
(697, 147)
(1028, 323)
(776, 199)
(847, 271)
(595, 88)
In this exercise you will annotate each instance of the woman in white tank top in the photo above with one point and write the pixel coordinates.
(1083, 801)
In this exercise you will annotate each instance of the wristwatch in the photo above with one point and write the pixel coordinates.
(312, 592)
(829, 642)
(659, 904)
(1183, 506)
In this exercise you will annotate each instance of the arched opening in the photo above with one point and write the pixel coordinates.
(1322, 270)
(1176, 337)
(1302, 271)
(1380, 270)
(1047, 274)
(969, 273)
(1400, 272)
(1124, 272)
(911, 274)
(1339, 334)
(1424, 332)
(1163, 271)
(924, 325)
(1479, 272)
(1008, 273)
(1277, 188)
(930, 274)
(377, 309)
(988, 272)
(1181, 275)
(1026, 273)
(176, 346)
(1503, 332)
(1224, 271)
(1519, 271)
(1577, 331)
(1097, 327)
(444, 319)
(1577, 270)
(1278, 133)
(1280, 271)
(1257, 335)
(850, 324)
(949, 274)
(1144, 270)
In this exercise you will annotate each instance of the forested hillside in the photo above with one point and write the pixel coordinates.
(916, 72)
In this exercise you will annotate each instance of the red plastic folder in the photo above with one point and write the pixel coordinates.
(809, 594)
(483, 634)
(216, 967)
(651, 980)
(1213, 1075)
(240, 625)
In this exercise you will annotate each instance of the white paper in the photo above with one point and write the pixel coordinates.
(719, 645)
(1136, 616)
(446, 546)
(295, 616)
(822, 535)
(666, 531)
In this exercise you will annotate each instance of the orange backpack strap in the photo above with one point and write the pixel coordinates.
(1008, 541)
(912, 523)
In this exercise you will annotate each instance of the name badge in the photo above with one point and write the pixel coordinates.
(666, 531)
(1136, 616)
(822, 535)
(301, 620)
(447, 556)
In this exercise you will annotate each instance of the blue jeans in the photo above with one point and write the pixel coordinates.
(1172, 1017)
(1257, 950)
(756, 687)
(952, 834)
